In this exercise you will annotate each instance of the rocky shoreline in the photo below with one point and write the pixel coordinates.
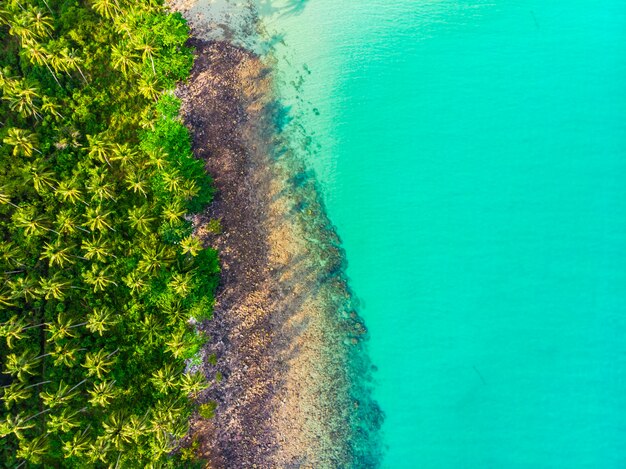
(285, 334)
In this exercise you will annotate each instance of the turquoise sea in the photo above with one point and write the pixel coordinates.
(472, 155)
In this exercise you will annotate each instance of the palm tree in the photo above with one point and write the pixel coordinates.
(100, 320)
(65, 354)
(15, 424)
(61, 396)
(177, 345)
(40, 23)
(78, 445)
(26, 288)
(151, 327)
(192, 383)
(172, 181)
(98, 363)
(173, 211)
(22, 365)
(191, 245)
(134, 428)
(63, 422)
(73, 61)
(48, 105)
(149, 87)
(13, 330)
(154, 258)
(57, 254)
(22, 101)
(63, 327)
(102, 393)
(136, 183)
(100, 188)
(98, 219)
(140, 219)
(123, 59)
(124, 154)
(135, 282)
(165, 378)
(5, 197)
(68, 191)
(107, 8)
(23, 141)
(182, 283)
(15, 392)
(148, 50)
(99, 148)
(99, 278)
(42, 179)
(32, 223)
(113, 428)
(33, 450)
(97, 249)
(67, 223)
(53, 287)
(38, 54)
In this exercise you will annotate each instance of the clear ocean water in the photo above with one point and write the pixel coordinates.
(472, 155)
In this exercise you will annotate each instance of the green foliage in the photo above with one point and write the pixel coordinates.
(207, 411)
(102, 272)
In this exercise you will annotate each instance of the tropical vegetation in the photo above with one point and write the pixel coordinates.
(102, 276)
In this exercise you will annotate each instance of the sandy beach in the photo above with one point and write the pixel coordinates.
(285, 333)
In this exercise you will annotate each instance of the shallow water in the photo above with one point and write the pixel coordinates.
(472, 155)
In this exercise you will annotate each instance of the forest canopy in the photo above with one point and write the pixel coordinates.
(102, 276)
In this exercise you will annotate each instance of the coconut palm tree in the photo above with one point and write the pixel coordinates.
(165, 378)
(57, 254)
(103, 393)
(177, 345)
(23, 141)
(68, 191)
(149, 87)
(147, 49)
(53, 287)
(192, 383)
(107, 8)
(123, 59)
(140, 219)
(65, 354)
(114, 428)
(22, 100)
(26, 288)
(5, 197)
(33, 450)
(99, 148)
(136, 282)
(32, 223)
(191, 245)
(37, 54)
(97, 219)
(64, 421)
(61, 396)
(136, 183)
(78, 445)
(97, 249)
(63, 327)
(100, 187)
(98, 363)
(100, 320)
(22, 365)
(15, 424)
(99, 278)
(173, 212)
(182, 284)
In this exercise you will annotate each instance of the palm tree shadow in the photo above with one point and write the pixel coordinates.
(282, 7)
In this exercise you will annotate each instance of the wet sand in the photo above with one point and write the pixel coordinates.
(285, 332)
